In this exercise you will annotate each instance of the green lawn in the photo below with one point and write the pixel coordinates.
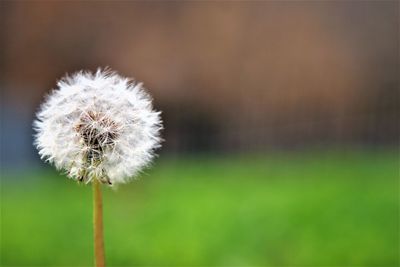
(315, 209)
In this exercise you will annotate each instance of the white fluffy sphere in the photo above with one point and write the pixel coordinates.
(98, 126)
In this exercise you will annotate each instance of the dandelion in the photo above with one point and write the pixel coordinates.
(98, 128)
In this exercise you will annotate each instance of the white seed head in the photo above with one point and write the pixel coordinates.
(98, 126)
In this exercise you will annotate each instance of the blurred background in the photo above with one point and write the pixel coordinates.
(281, 132)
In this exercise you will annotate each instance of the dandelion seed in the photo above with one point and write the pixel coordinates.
(98, 126)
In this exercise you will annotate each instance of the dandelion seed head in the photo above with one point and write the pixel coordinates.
(98, 126)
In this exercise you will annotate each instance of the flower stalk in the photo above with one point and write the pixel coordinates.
(99, 254)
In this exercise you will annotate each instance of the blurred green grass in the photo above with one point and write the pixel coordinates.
(315, 208)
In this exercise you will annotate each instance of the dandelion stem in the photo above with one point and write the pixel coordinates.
(98, 224)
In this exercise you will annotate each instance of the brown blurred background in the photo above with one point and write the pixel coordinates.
(228, 76)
